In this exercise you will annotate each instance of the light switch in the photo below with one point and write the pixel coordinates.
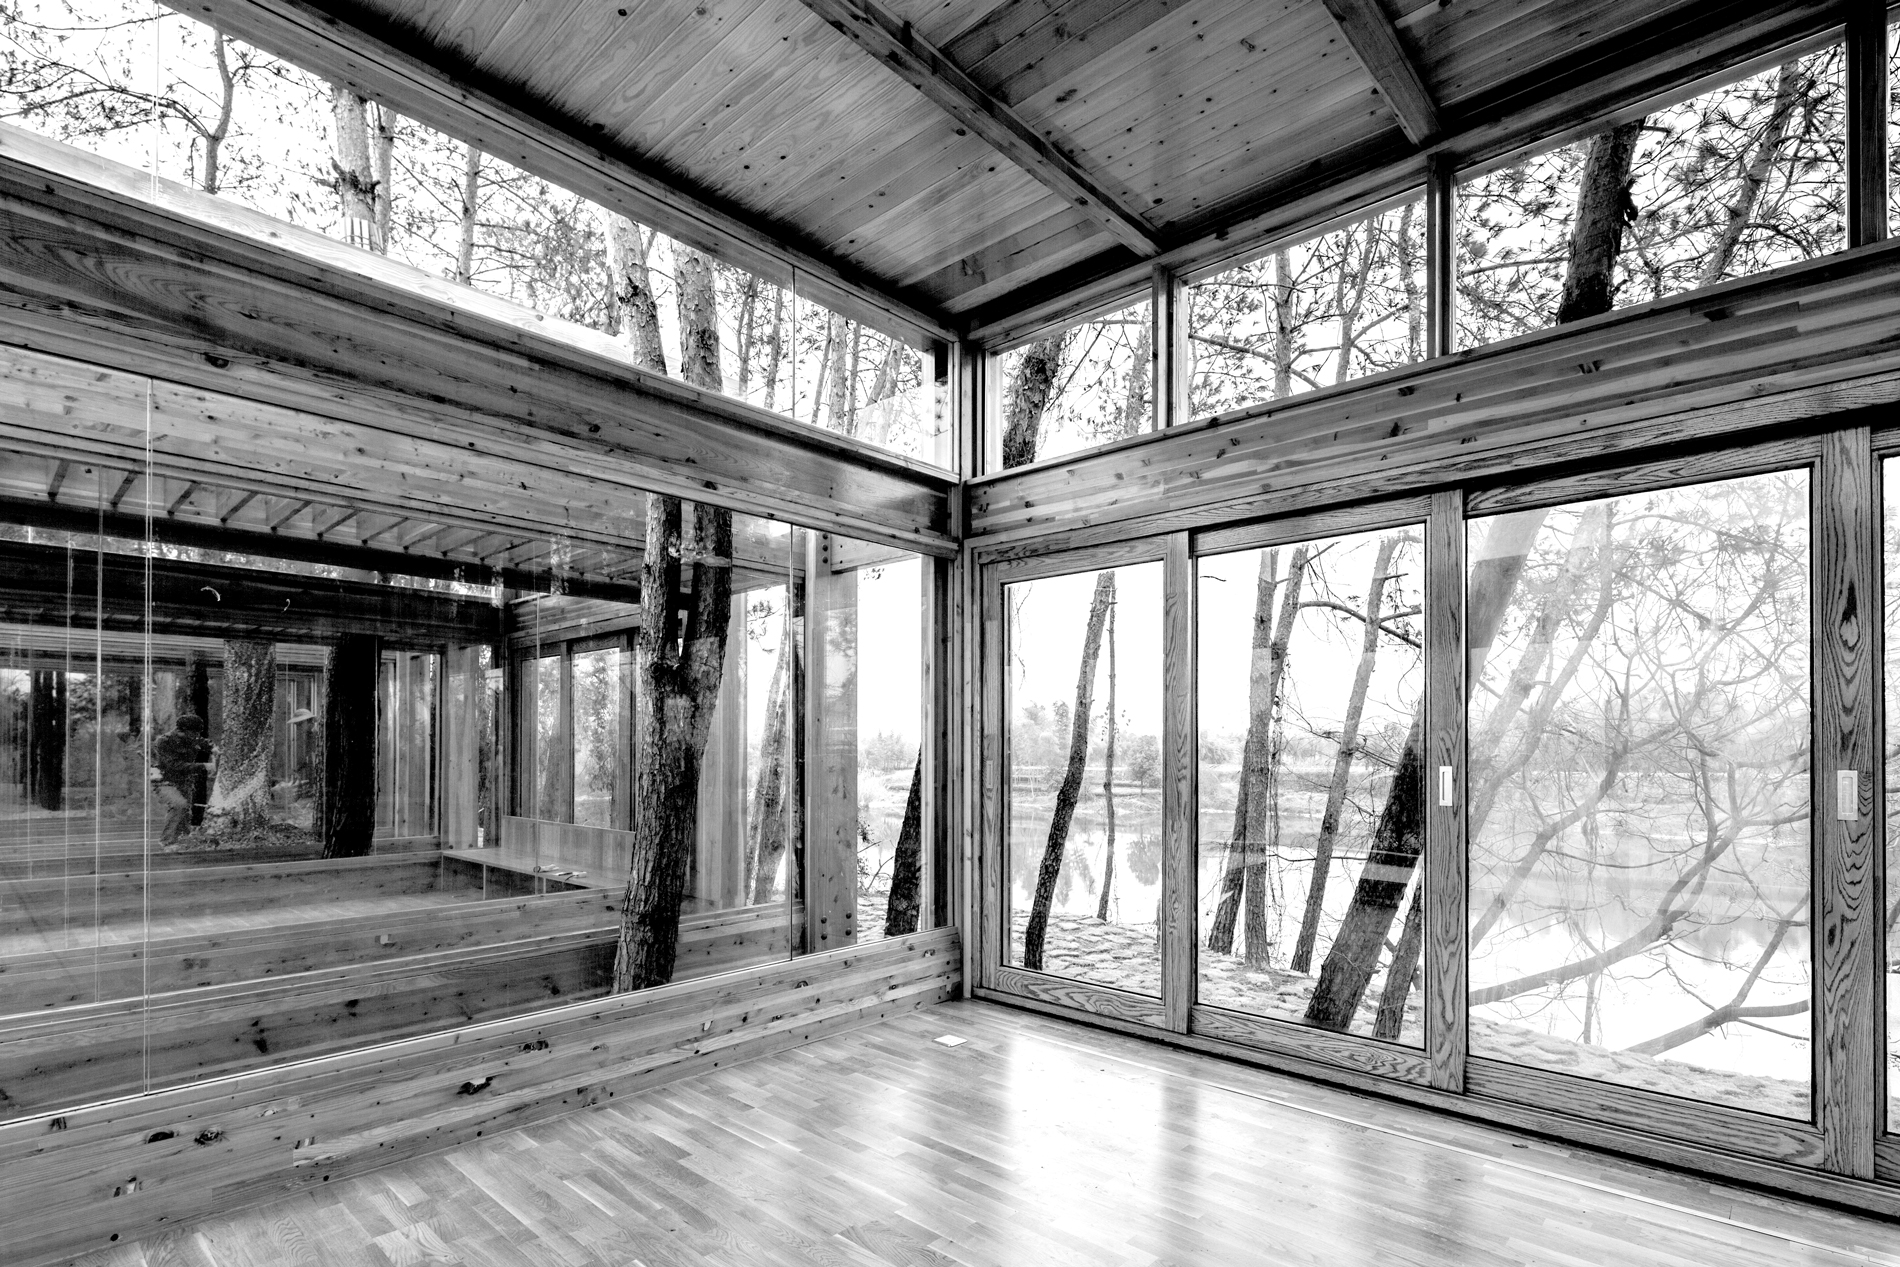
(1444, 786)
(1847, 795)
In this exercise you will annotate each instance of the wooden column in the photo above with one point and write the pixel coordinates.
(1170, 361)
(461, 746)
(719, 857)
(1441, 214)
(933, 740)
(831, 772)
(1445, 864)
(349, 745)
(989, 880)
(1180, 785)
(1847, 804)
(1867, 107)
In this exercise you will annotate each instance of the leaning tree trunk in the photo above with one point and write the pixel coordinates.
(633, 291)
(1399, 836)
(46, 739)
(471, 204)
(679, 660)
(1108, 782)
(1790, 87)
(1071, 787)
(1603, 212)
(349, 745)
(1028, 397)
(1342, 761)
(1404, 970)
(778, 795)
(240, 797)
(907, 872)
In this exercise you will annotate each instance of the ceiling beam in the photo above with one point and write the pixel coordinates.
(1372, 37)
(427, 84)
(918, 63)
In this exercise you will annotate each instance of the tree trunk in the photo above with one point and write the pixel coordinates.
(1233, 880)
(46, 739)
(907, 869)
(774, 349)
(747, 336)
(1280, 319)
(216, 134)
(1071, 786)
(350, 731)
(1604, 210)
(1343, 759)
(679, 660)
(1398, 838)
(841, 343)
(778, 796)
(384, 155)
(240, 797)
(1248, 846)
(1028, 397)
(471, 200)
(192, 698)
(1108, 781)
(698, 319)
(1790, 86)
(354, 166)
(1414, 293)
(633, 291)
(1403, 972)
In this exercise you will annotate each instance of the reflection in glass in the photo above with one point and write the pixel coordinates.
(1311, 672)
(601, 737)
(1638, 807)
(1083, 764)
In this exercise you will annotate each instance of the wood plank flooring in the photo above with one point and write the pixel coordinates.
(1035, 1142)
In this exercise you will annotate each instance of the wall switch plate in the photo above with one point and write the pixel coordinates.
(1847, 795)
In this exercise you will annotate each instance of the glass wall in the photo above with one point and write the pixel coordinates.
(260, 800)
(1735, 181)
(1638, 816)
(1311, 685)
(215, 118)
(1335, 307)
(1075, 389)
(1083, 763)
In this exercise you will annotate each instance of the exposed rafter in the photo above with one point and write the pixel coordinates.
(1369, 31)
(496, 119)
(918, 63)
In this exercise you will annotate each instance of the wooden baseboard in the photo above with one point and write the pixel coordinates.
(118, 1171)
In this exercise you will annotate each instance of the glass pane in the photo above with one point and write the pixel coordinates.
(1083, 761)
(1638, 810)
(1890, 535)
(1733, 182)
(1320, 312)
(890, 776)
(602, 739)
(1310, 880)
(1082, 387)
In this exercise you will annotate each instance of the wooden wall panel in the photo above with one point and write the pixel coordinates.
(1446, 1038)
(1180, 785)
(831, 761)
(124, 1169)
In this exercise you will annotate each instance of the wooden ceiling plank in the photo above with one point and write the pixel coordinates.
(552, 147)
(1063, 43)
(1373, 38)
(875, 29)
(696, 73)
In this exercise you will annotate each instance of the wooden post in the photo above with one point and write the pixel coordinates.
(462, 689)
(1170, 361)
(1446, 1019)
(564, 739)
(831, 773)
(349, 745)
(1441, 282)
(968, 419)
(1867, 108)
(1846, 804)
(1180, 786)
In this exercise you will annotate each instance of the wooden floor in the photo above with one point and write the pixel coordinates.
(1034, 1142)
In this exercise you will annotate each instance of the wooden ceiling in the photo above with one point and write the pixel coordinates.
(966, 158)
